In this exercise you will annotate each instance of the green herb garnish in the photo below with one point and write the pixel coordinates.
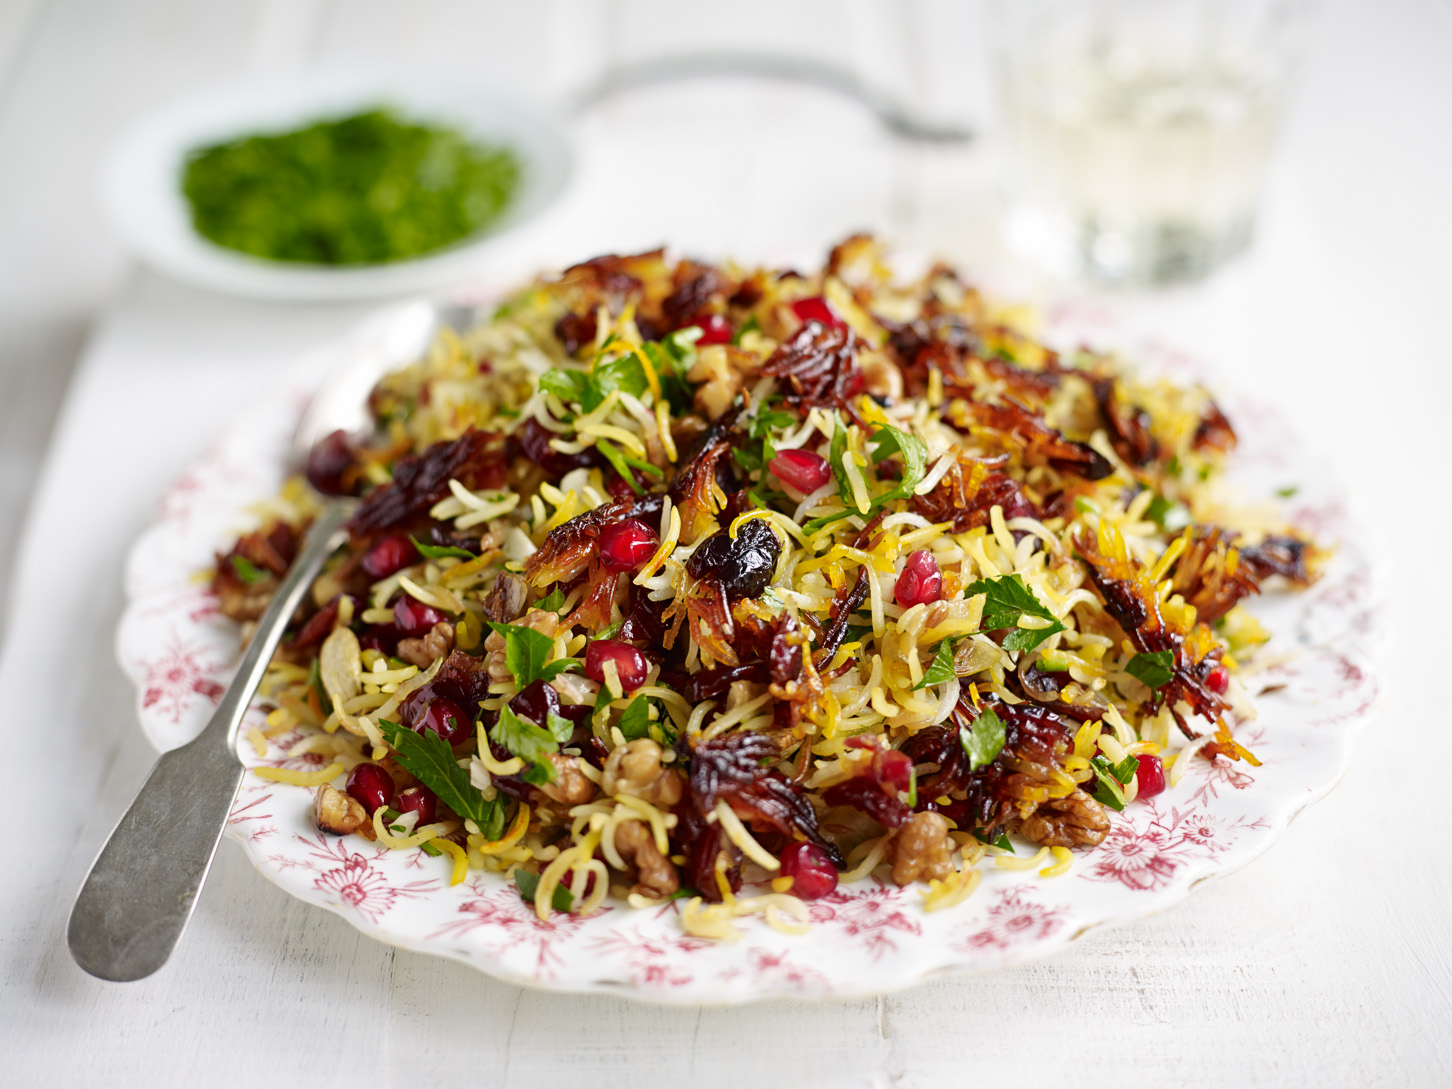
(1113, 778)
(940, 671)
(1154, 669)
(527, 653)
(430, 760)
(635, 719)
(1169, 516)
(1008, 601)
(247, 571)
(528, 884)
(357, 190)
(1288, 491)
(1002, 842)
(438, 552)
(984, 741)
(528, 742)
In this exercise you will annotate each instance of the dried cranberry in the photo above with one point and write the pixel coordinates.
(534, 440)
(420, 800)
(1218, 680)
(630, 664)
(624, 546)
(536, 703)
(413, 617)
(371, 785)
(896, 769)
(715, 329)
(817, 309)
(446, 718)
(389, 555)
(327, 461)
(742, 567)
(812, 873)
(801, 469)
(920, 581)
(1150, 776)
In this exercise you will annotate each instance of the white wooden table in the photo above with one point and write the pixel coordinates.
(1326, 962)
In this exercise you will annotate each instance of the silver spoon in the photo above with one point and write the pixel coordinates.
(141, 890)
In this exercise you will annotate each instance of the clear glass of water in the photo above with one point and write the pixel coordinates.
(1139, 131)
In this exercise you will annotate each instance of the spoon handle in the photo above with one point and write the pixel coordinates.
(140, 892)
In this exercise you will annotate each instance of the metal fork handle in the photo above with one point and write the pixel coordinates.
(141, 890)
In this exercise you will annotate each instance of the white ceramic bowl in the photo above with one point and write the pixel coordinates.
(144, 200)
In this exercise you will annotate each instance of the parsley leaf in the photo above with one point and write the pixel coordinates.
(617, 462)
(751, 325)
(1288, 491)
(626, 374)
(560, 728)
(528, 885)
(246, 570)
(1154, 669)
(1110, 791)
(568, 386)
(430, 760)
(890, 440)
(941, 670)
(635, 720)
(984, 741)
(1002, 842)
(438, 552)
(551, 602)
(527, 652)
(1169, 516)
(1126, 769)
(528, 742)
(1008, 601)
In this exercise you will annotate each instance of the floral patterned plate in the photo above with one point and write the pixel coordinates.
(865, 939)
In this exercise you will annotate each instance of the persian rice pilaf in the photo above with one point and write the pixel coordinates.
(673, 578)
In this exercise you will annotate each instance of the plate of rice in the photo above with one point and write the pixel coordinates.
(712, 633)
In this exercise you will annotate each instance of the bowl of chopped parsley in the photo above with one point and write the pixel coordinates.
(335, 185)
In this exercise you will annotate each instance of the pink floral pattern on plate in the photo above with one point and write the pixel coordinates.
(868, 938)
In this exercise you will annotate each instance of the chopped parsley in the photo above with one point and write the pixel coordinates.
(528, 742)
(984, 741)
(1154, 669)
(1169, 515)
(940, 671)
(635, 720)
(1112, 779)
(528, 885)
(430, 760)
(1008, 602)
(247, 571)
(527, 653)
(362, 189)
(438, 552)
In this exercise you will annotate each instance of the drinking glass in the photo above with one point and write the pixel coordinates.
(1139, 131)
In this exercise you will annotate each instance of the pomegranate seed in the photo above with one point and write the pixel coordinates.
(388, 555)
(412, 617)
(801, 469)
(896, 770)
(1150, 776)
(420, 800)
(380, 637)
(624, 546)
(630, 664)
(715, 329)
(816, 309)
(1218, 681)
(446, 718)
(920, 581)
(371, 785)
(812, 873)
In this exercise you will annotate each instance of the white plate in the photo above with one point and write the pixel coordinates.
(865, 939)
(144, 201)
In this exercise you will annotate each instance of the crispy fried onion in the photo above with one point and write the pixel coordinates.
(1019, 429)
(1129, 597)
